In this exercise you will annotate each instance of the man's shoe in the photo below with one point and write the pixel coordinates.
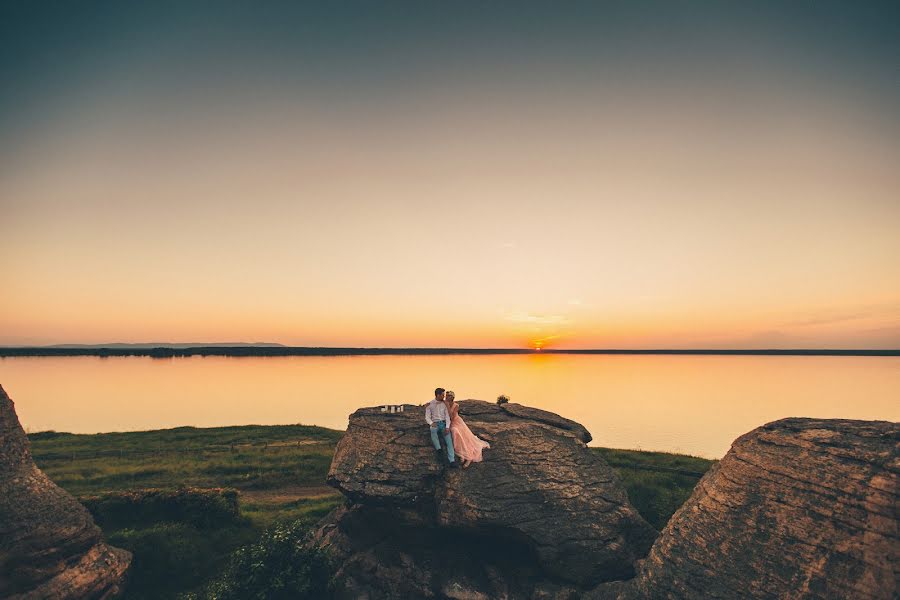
(454, 465)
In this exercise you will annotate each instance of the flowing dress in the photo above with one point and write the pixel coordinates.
(467, 445)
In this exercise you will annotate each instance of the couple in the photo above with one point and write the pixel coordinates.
(442, 415)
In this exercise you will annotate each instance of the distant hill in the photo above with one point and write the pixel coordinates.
(170, 345)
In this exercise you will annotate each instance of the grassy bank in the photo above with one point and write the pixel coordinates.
(249, 457)
(658, 483)
(279, 474)
(186, 539)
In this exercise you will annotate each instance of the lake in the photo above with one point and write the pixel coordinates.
(691, 404)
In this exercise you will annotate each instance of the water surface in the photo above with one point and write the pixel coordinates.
(691, 404)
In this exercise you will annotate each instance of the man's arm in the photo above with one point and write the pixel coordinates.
(429, 418)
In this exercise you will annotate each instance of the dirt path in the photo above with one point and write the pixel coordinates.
(287, 494)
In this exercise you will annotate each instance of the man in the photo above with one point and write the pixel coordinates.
(438, 419)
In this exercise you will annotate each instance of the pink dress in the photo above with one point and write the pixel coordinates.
(466, 444)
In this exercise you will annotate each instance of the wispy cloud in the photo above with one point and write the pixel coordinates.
(523, 317)
(833, 317)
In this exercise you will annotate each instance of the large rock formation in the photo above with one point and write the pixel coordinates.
(49, 545)
(799, 508)
(542, 515)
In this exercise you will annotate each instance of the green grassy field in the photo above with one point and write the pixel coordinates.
(250, 457)
(658, 483)
(279, 474)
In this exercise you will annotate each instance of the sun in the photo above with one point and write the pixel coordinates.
(538, 344)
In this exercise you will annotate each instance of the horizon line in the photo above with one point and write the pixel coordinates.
(281, 350)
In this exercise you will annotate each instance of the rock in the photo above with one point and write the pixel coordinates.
(385, 553)
(541, 507)
(49, 545)
(798, 508)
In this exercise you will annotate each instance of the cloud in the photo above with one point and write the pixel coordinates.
(832, 317)
(838, 318)
(523, 317)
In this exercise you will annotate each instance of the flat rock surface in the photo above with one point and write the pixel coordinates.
(49, 544)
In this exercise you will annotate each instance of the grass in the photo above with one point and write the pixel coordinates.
(312, 508)
(252, 457)
(658, 483)
(660, 461)
(279, 472)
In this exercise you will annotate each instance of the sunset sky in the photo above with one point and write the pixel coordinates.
(485, 174)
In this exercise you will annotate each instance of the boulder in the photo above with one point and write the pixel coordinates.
(798, 508)
(541, 515)
(49, 544)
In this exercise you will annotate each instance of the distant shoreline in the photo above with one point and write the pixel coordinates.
(238, 351)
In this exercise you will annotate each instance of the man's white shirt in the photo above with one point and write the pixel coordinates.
(436, 411)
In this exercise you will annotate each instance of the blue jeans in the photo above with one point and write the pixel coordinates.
(448, 439)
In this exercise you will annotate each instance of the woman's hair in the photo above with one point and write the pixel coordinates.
(450, 395)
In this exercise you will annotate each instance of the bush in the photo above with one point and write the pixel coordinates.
(278, 566)
(46, 435)
(202, 508)
(167, 557)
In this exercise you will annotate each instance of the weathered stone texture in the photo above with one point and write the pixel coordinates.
(540, 495)
(799, 508)
(49, 544)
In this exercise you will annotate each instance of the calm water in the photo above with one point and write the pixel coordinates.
(693, 404)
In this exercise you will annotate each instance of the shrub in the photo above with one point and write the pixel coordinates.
(202, 508)
(278, 566)
(167, 557)
(45, 435)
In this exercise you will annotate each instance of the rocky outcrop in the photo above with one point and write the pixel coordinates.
(798, 508)
(541, 515)
(49, 545)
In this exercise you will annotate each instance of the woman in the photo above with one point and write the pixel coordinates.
(467, 445)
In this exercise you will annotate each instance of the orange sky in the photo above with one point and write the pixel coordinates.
(479, 208)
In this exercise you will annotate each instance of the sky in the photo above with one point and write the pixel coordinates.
(472, 174)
